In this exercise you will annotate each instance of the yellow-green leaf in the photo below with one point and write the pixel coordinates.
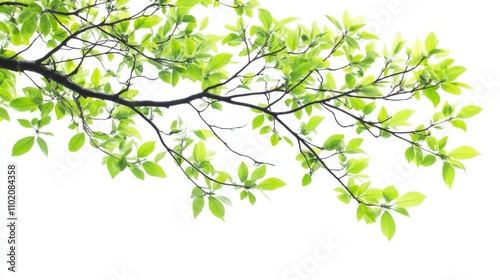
(387, 225)
(76, 142)
(23, 146)
(410, 199)
(463, 152)
(218, 61)
(146, 149)
(147, 21)
(270, 184)
(153, 169)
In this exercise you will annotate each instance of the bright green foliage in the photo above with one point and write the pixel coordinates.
(387, 225)
(319, 92)
(76, 142)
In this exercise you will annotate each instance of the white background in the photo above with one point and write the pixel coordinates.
(77, 223)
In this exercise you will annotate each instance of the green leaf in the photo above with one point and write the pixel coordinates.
(23, 104)
(283, 22)
(23, 146)
(346, 20)
(258, 173)
(138, 173)
(459, 124)
(350, 81)
(243, 194)
(251, 198)
(146, 149)
(243, 172)
(432, 95)
(165, 76)
(112, 164)
(387, 225)
(159, 156)
(401, 211)
(199, 152)
(266, 18)
(218, 61)
(231, 37)
(344, 198)
(96, 77)
(203, 134)
(34, 94)
(432, 142)
(373, 195)
(430, 42)
(43, 145)
(302, 70)
(258, 121)
(216, 207)
(6, 95)
(334, 142)
(313, 123)
(400, 118)
(390, 193)
(448, 172)
(204, 23)
(410, 199)
(225, 200)
(4, 114)
(382, 115)
(463, 152)
(187, 3)
(45, 120)
(270, 184)
(120, 3)
(469, 111)
(29, 27)
(449, 88)
(335, 22)
(197, 192)
(410, 154)
(306, 179)
(147, 21)
(176, 48)
(44, 24)
(198, 204)
(353, 146)
(356, 165)
(24, 123)
(76, 142)
(454, 72)
(366, 213)
(429, 160)
(153, 169)
(292, 40)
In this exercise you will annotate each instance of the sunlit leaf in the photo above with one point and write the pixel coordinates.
(153, 169)
(146, 149)
(147, 21)
(270, 184)
(23, 146)
(469, 111)
(463, 152)
(216, 207)
(198, 204)
(218, 61)
(410, 199)
(76, 142)
(387, 225)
